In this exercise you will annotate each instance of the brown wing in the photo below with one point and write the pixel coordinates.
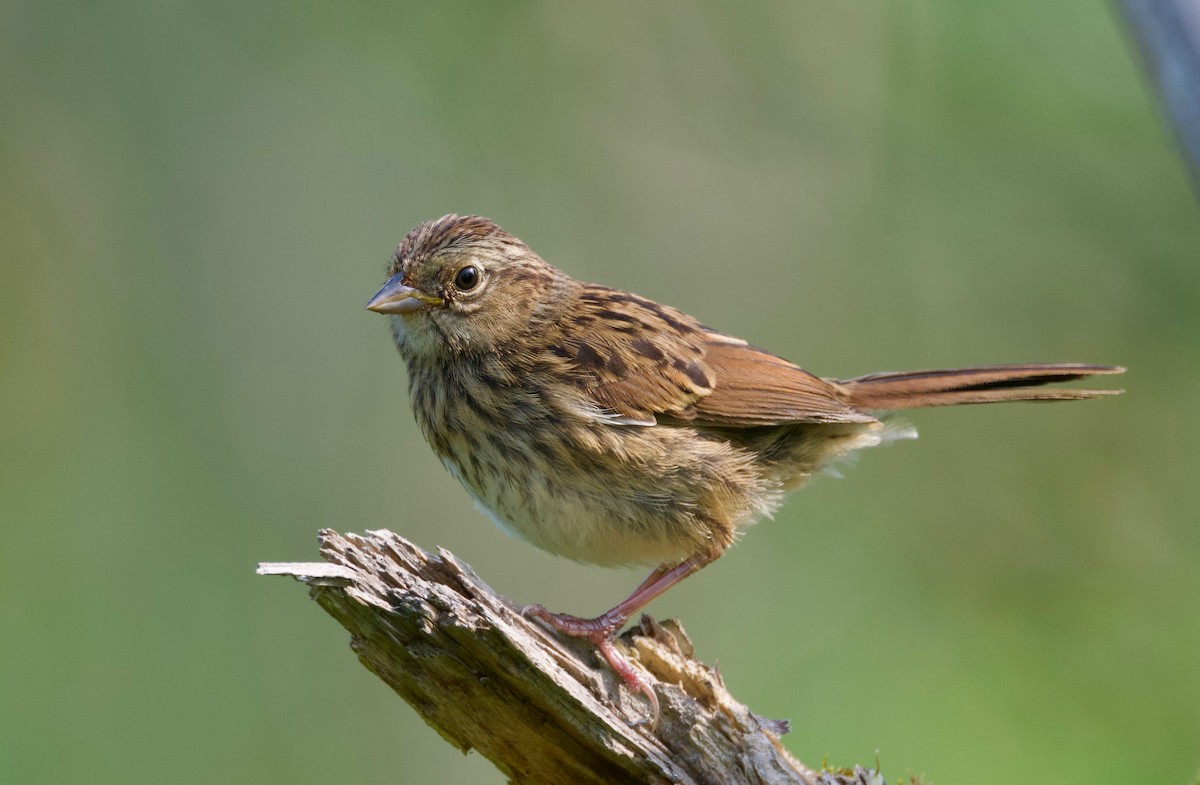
(757, 388)
(635, 359)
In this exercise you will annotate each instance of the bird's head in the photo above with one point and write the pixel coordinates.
(461, 284)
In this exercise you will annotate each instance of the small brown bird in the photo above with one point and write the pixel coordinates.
(608, 428)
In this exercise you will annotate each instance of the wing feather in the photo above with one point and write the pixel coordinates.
(635, 359)
(758, 388)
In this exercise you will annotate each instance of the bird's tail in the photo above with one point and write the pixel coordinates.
(985, 384)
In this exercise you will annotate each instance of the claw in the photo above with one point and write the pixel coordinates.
(629, 675)
(600, 632)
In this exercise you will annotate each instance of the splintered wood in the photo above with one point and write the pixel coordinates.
(540, 706)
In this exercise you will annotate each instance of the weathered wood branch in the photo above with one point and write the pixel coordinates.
(539, 705)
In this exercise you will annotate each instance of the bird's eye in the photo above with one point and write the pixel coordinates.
(466, 279)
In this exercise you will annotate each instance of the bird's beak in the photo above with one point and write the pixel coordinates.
(398, 297)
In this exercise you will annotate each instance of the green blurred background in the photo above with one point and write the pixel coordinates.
(198, 198)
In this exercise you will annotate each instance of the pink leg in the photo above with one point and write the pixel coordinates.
(601, 629)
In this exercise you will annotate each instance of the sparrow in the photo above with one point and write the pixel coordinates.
(611, 429)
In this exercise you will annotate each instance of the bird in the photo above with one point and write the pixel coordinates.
(610, 429)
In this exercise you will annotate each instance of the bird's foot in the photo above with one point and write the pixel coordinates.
(594, 630)
(600, 631)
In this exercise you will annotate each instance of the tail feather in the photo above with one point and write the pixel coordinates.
(985, 384)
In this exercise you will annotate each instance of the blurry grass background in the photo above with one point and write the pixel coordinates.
(196, 199)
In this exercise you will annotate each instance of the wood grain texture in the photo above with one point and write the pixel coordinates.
(536, 704)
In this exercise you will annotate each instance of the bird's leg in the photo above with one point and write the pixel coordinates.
(606, 624)
(601, 630)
